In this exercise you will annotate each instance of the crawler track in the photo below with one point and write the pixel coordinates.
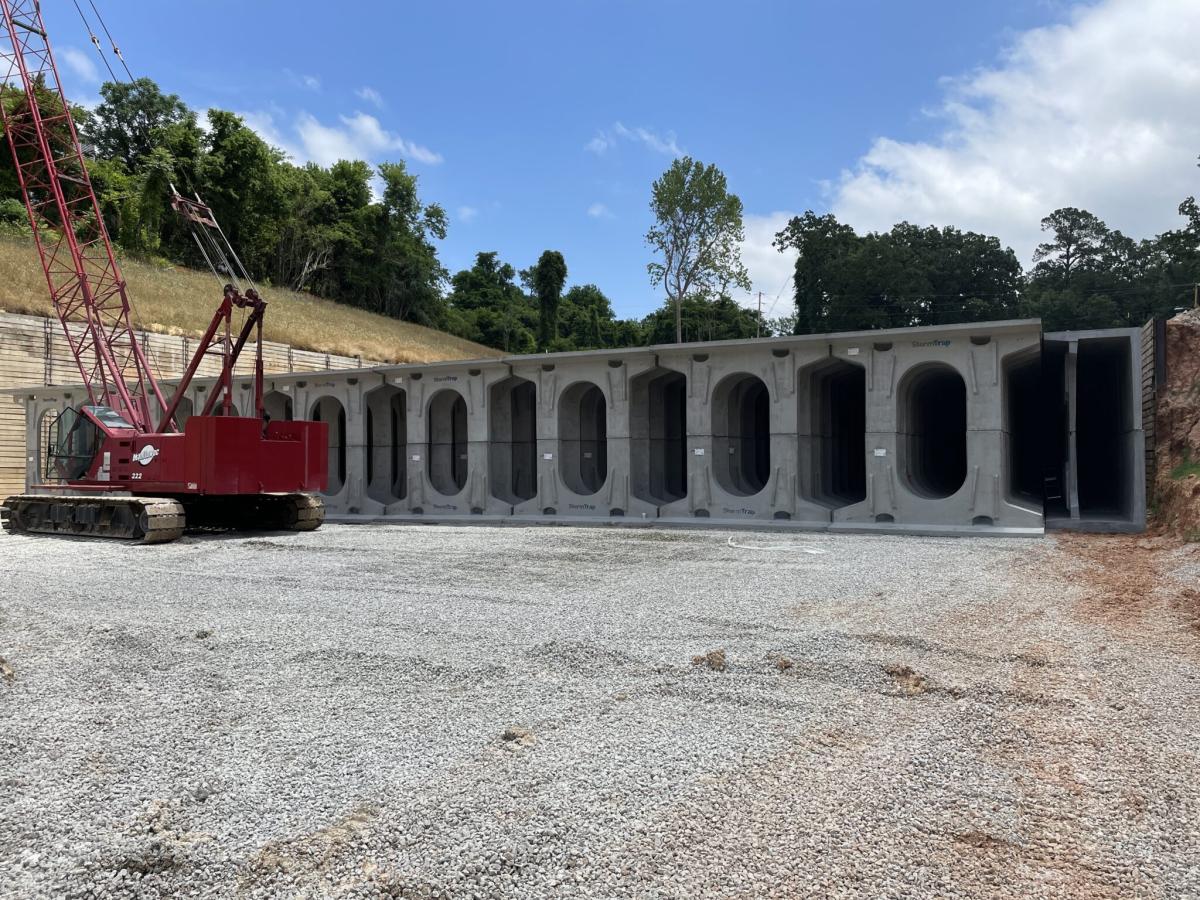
(147, 520)
(157, 520)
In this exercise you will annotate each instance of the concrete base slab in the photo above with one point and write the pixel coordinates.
(693, 523)
(1095, 526)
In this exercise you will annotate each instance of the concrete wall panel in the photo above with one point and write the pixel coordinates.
(896, 430)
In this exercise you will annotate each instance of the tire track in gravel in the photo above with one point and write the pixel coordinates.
(845, 810)
(1075, 827)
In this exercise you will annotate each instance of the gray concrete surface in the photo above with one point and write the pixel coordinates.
(385, 711)
(952, 427)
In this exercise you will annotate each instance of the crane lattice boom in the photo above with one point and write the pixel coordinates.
(86, 286)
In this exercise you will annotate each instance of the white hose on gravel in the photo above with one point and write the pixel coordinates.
(803, 548)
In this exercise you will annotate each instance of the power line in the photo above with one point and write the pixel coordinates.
(782, 288)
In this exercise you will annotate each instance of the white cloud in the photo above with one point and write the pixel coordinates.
(770, 270)
(467, 213)
(605, 140)
(264, 124)
(599, 211)
(80, 64)
(371, 95)
(1099, 112)
(359, 136)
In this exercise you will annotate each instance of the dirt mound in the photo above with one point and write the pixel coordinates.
(713, 659)
(518, 736)
(1125, 576)
(1177, 431)
(911, 682)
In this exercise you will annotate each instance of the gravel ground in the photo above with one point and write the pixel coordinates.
(393, 711)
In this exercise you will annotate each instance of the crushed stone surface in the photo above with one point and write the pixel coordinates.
(410, 711)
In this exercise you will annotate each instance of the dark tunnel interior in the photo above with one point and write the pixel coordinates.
(742, 435)
(658, 436)
(839, 424)
(933, 405)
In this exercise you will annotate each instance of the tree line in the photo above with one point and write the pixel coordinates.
(362, 236)
(1085, 274)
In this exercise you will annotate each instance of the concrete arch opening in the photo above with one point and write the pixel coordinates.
(447, 451)
(1031, 433)
(833, 407)
(658, 436)
(219, 409)
(512, 432)
(932, 430)
(583, 438)
(278, 406)
(741, 410)
(330, 410)
(386, 449)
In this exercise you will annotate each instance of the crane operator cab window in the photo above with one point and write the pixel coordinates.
(74, 440)
(109, 418)
(72, 444)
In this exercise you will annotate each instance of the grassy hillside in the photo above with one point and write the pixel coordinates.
(173, 300)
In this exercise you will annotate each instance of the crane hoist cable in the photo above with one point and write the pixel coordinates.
(115, 49)
(95, 40)
(214, 246)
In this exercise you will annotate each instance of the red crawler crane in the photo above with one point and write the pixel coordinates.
(119, 466)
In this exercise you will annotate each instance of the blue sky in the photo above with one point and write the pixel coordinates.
(542, 125)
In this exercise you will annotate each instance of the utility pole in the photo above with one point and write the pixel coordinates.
(758, 330)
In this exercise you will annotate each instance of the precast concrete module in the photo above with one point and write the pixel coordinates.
(986, 427)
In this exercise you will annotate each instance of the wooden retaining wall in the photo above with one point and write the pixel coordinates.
(1151, 377)
(34, 351)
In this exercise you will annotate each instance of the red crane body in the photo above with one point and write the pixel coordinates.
(122, 467)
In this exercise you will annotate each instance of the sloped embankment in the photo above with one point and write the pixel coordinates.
(1177, 427)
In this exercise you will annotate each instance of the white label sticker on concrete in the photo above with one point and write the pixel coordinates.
(416, 457)
(699, 451)
(547, 456)
(853, 351)
(880, 451)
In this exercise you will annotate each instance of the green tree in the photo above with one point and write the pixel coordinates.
(703, 319)
(910, 275)
(238, 177)
(128, 122)
(1087, 275)
(586, 319)
(488, 307)
(395, 266)
(548, 277)
(697, 233)
(1076, 245)
(822, 244)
